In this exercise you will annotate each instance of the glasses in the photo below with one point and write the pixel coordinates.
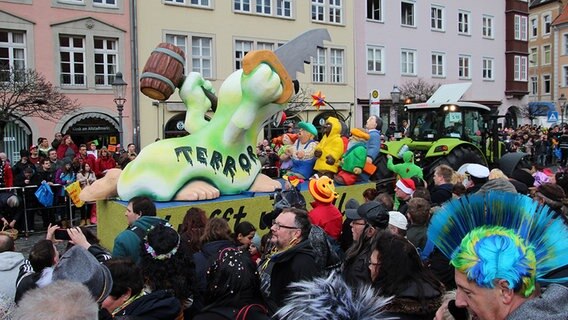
(358, 223)
(277, 226)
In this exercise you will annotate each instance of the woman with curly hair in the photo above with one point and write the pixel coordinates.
(166, 265)
(192, 228)
(396, 270)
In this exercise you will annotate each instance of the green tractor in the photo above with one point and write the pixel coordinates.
(442, 133)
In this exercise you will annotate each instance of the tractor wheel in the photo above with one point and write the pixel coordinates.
(460, 155)
(382, 171)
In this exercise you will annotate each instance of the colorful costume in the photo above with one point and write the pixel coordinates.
(354, 159)
(407, 169)
(324, 213)
(330, 148)
(303, 159)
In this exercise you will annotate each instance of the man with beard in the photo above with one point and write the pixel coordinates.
(292, 258)
(303, 151)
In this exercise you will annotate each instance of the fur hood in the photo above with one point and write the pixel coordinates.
(331, 298)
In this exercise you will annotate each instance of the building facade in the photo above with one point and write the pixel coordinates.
(78, 45)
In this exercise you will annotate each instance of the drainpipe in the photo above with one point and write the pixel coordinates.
(134, 72)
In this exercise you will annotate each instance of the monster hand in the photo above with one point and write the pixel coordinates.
(197, 103)
(318, 153)
(330, 160)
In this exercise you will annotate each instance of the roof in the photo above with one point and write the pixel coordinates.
(562, 18)
(535, 3)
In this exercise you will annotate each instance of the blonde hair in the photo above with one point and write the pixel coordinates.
(496, 174)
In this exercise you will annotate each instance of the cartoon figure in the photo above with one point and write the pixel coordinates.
(324, 213)
(354, 159)
(302, 151)
(330, 149)
(219, 154)
(407, 169)
(285, 150)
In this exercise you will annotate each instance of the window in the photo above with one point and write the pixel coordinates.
(242, 47)
(463, 22)
(12, 52)
(265, 46)
(407, 14)
(333, 8)
(546, 54)
(437, 18)
(438, 64)
(565, 74)
(464, 67)
(533, 57)
(546, 84)
(408, 62)
(284, 8)
(241, 5)
(534, 27)
(546, 24)
(520, 72)
(375, 59)
(328, 70)
(520, 28)
(106, 60)
(72, 55)
(487, 72)
(199, 58)
(534, 85)
(487, 31)
(106, 3)
(374, 10)
(565, 44)
(263, 7)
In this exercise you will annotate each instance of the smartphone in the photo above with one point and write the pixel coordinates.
(61, 234)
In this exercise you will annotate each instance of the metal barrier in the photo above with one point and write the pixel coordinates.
(24, 192)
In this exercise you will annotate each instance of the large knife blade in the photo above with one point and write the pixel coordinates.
(294, 53)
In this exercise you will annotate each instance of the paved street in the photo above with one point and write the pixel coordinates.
(24, 244)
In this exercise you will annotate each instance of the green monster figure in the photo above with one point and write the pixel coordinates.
(219, 156)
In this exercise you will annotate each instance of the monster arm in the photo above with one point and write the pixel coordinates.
(193, 96)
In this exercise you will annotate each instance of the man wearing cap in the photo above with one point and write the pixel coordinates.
(367, 220)
(324, 213)
(403, 191)
(477, 176)
(34, 154)
(302, 150)
(354, 159)
(397, 223)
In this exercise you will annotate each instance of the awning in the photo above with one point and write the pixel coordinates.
(89, 115)
(541, 108)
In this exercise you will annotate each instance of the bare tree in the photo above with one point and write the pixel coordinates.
(418, 90)
(26, 93)
(299, 102)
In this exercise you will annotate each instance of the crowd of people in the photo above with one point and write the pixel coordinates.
(59, 164)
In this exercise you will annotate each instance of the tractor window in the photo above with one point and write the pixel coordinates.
(473, 125)
(424, 125)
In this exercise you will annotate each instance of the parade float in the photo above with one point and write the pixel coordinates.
(215, 167)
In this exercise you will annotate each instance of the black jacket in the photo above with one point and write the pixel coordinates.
(158, 305)
(356, 270)
(441, 193)
(282, 268)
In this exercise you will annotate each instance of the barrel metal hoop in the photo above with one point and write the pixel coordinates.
(159, 77)
(172, 54)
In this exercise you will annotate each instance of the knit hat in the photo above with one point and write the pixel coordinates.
(406, 185)
(306, 126)
(322, 189)
(351, 209)
(374, 213)
(398, 220)
(552, 191)
(256, 240)
(359, 134)
(79, 265)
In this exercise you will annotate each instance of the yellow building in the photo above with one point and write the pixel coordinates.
(215, 35)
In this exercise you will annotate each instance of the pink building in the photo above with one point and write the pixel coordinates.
(78, 45)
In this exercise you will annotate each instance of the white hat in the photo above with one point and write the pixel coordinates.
(478, 171)
(398, 220)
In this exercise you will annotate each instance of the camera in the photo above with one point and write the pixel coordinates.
(61, 234)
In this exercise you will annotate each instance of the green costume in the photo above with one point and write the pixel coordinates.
(407, 169)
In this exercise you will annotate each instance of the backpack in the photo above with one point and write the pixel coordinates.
(328, 253)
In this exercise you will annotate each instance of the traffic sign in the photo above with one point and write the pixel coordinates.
(552, 116)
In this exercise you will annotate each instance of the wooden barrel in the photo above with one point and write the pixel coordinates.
(163, 72)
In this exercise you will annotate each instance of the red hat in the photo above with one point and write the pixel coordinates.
(33, 146)
(406, 185)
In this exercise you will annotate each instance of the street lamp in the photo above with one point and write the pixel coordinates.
(395, 98)
(119, 89)
(562, 104)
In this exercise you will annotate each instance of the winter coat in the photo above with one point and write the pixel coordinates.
(205, 257)
(128, 243)
(280, 269)
(328, 217)
(330, 145)
(441, 193)
(67, 151)
(406, 305)
(356, 270)
(355, 157)
(551, 305)
(499, 184)
(7, 176)
(158, 305)
(10, 263)
(416, 234)
(103, 164)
